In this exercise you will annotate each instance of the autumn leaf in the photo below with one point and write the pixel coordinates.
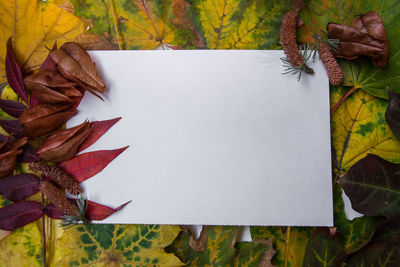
(359, 127)
(354, 233)
(116, 245)
(377, 254)
(359, 73)
(289, 242)
(235, 24)
(33, 25)
(218, 246)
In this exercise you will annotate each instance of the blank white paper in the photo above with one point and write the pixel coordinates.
(216, 137)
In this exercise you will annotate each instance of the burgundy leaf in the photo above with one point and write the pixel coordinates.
(19, 214)
(29, 154)
(48, 63)
(2, 87)
(99, 128)
(19, 187)
(53, 212)
(12, 108)
(34, 101)
(88, 164)
(14, 73)
(12, 127)
(96, 211)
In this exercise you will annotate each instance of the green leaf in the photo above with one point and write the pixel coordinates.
(354, 233)
(359, 128)
(359, 73)
(373, 186)
(383, 254)
(323, 249)
(116, 245)
(388, 231)
(289, 242)
(217, 246)
(392, 114)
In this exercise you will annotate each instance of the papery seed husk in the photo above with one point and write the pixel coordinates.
(58, 198)
(77, 52)
(57, 175)
(69, 91)
(49, 78)
(47, 95)
(71, 69)
(40, 111)
(63, 144)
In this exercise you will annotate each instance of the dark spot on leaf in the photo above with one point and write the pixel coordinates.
(85, 238)
(145, 243)
(366, 128)
(137, 258)
(91, 252)
(136, 248)
(128, 255)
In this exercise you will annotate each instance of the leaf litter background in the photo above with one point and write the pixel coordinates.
(358, 125)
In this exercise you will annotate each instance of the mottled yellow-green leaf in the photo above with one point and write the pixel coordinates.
(33, 25)
(116, 245)
(359, 127)
(241, 24)
(289, 242)
(22, 248)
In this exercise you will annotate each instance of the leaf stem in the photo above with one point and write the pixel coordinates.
(287, 242)
(115, 23)
(343, 99)
(43, 234)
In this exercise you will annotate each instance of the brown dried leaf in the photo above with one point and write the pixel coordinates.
(8, 155)
(366, 36)
(47, 95)
(50, 78)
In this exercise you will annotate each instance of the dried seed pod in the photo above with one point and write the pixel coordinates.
(77, 52)
(64, 144)
(47, 95)
(289, 40)
(44, 118)
(335, 74)
(8, 155)
(58, 198)
(49, 78)
(57, 175)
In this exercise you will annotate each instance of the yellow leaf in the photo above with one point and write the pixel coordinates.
(22, 248)
(115, 245)
(33, 25)
(359, 128)
(233, 24)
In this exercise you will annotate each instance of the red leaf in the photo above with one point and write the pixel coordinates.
(19, 187)
(96, 211)
(53, 212)
(28, 155)
(19, 214)
(14, 73)
(12, 127)
(99, 128)
(48, 63)
(34, 101)
(88, 164)
(12, 108)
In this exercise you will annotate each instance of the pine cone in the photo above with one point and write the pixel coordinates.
(332, 67)
(57, 175)
(58, 198)
(288, 39)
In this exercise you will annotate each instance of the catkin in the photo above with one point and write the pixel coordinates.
(288, 39)
(57, 175)
(58, 198)
(335, 74)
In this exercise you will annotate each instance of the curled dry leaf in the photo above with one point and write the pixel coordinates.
(44, 118)
(64, 144)
(365, 36)
(8, 155)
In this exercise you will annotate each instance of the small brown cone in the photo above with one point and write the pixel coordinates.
(58, 198)
(288, 39)
(335, 74)
(57, 175)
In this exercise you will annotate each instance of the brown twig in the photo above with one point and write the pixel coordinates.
(43, 234)
(115, 21)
